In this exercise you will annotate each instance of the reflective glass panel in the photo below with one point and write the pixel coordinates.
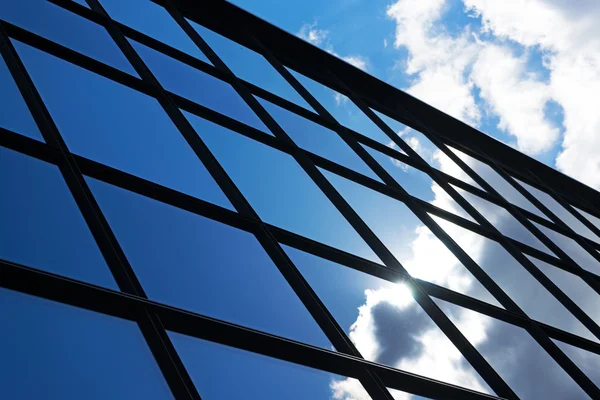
(573, 250)
(250, 65)
(317, 139)
(422, 254)
(278, 189)
(561, 212)
(385, 323)
(55, 351)
(15, 115)
(503, 220)
(198, 86)
(587, 361)
(66, 28)
(154, 21)
(512, 352)
(515, 280)
(212, 365)
(115, 125)
(574, 287)
(204, 266)
(41, 225)
(342, 109)
(505, 189)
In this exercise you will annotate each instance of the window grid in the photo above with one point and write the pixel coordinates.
(154, 318)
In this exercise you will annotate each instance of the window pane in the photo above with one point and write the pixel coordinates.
(342, 109)
(422, 254)
(41, 224)
(154, 21)
(561, 212)
(385, 323)
(574, 287)
(418, 184)
(198, 86)
(515, 280)
(278, 189)
(55, 351)
(594, 220)
(15, 115)
(500, 184)
(502, 220)
(588, 362)
(64, 27)
(112, 124)
(250, 65)
(573, 250)
(201, 265)
(513, 353)
(213, 367)
(317, 139)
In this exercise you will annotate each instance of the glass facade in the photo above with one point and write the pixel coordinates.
(193, 207)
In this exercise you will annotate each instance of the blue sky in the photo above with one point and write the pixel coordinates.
(195, 263)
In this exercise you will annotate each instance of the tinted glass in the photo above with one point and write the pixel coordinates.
(15, 115)
(201, 265)
(513, 353)
(515, 280)
(41, 224)
(278, 189)
(57, 351)
(385, 323)
(317, 139)
(154, 21)
(198, 86)
(68, 29)
(107, 122)
(249, 65)
(422, 254)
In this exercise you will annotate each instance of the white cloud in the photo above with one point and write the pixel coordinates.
(321, 38)
(385, 43)
(569, 33)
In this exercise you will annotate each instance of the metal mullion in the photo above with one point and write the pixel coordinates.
(593, 284)
(80, 294)
(116, 261)
(546, 282)
(572, 370)
(302, 289)
(202, 208)
(294, 278)
(470, 353)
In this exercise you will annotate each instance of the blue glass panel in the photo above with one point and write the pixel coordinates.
(385, 323)
(317, 139)
(418, 184)
(201, 265)
(502, 220)
(15, 115)
(519, 360)
(64, 27)
(278, 189)
(422, 254)
(573, 250)
(82, 2)
(154, 21)
(55, 351)
(342, 109)
(505, 189)
(213, 367)
(561, 212)
(250, 66)
(41, 224)
(198, 86)
(594, 220)
(112, 124)
(574, 287)
(515, 280)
